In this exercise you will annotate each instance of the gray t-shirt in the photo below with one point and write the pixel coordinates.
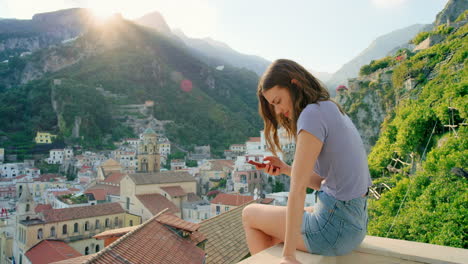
(342, 160)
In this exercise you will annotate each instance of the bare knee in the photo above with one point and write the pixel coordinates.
(247, 213)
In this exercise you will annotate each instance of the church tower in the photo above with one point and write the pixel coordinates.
(148, 152)
(26, 206)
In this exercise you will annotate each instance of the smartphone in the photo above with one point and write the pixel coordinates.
(260, 165)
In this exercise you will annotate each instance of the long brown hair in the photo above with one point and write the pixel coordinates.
(306, 90)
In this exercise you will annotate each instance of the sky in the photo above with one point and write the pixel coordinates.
(322, 35)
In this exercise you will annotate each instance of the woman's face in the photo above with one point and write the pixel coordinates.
(280, 98)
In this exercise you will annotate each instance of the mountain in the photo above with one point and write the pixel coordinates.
(156, 21)
(452, 10)
(322, 76)
(58, 89)
(221, 53)
(380, 47)
(212, 52)
(43, 30)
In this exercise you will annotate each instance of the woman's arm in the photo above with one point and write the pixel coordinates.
(307, 150)
(314, 182)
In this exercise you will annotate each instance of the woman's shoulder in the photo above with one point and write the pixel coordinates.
(320, 106)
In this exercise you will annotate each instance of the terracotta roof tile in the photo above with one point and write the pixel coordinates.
(49, 177)
(115, 177)
(226, 237)
(110, 189)
(151, 242)
(48, 251)
(197, 237)
(219, 165)
(99, 194)
(174, 190)
(115, 232)
(178, 223)
(42, 207)
(231, 199)
(155, 203)
(267, 200)
(161, 177)
(254, 139)
(78, 260)
(64, 214)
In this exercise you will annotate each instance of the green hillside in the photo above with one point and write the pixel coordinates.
(137, 64)
(428, 200)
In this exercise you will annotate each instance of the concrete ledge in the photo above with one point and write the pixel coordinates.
(415, 251)
(374, 250)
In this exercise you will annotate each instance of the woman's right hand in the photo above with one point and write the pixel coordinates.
(276, 162)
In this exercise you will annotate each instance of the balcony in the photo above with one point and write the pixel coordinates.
(374, 250)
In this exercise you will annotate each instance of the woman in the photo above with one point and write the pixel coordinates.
(329, 158)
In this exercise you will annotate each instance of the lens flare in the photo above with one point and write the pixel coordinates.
(186, 85)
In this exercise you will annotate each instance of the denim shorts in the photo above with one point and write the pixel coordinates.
(335, 227)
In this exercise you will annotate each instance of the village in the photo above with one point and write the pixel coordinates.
(98, 196)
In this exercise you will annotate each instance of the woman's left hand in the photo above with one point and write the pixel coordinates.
(289, 260)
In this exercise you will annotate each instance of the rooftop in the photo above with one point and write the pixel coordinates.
(150, 242)
(226, 237)
(110, 189)
(64, 214)
(178, 223)
(231, 199)
(99, 194)
(114, 177)
(161, 177)
(174, 190)
(48, 251)
(155, 203)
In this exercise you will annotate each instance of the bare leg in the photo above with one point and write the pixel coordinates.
(265, 226)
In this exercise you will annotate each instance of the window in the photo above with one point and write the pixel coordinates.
(116, 221)
(39, 233)
(75, 228)
(86, 226)
(64, 229)
(107, 222)
(27, 207)
(226, 208)
(131, 222)
(97, 224)
(97, 248)
(86, 251)
(128, 203)
(218, 209)
(52, 231)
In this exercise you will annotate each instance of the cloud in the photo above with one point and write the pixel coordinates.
(388, 3)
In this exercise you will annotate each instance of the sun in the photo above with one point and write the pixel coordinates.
(103, 12)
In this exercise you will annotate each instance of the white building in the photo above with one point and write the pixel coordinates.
(68, 153)
(164, 147)
(240, 148)
(281, 198)
(196, 212)
(56, 156)
(133, 142)
(253, 146)
(287, 145)
(178, 164)
(11, 170)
